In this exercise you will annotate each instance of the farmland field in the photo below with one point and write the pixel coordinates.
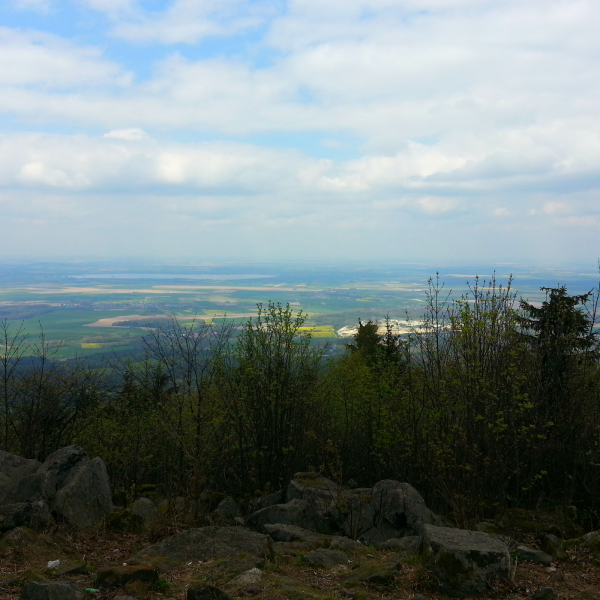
(92, 308)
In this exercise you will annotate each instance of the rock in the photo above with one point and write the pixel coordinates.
(410, 543)
(228, 509)
(488, 528)
(297, 512)
(137, 589)
(75, 489)
(33, 575)
(325, 558)
(554, 546)
(396, 510)
(12, 470)
(23, 543)
(282, 532)
(122, 519)
(85, 499)
(463, 561)
(202, 591)
(118, 576)
(299, 548)
(293, 588)
(145, 509)
(546, 593)
(378, 573)
(559, 522)
(33, 514)
(310, 484)
(249, 578)
(54, 590)
(264, 501)
(340, 542)
(207, 543)
(76, 567)
(536, 556)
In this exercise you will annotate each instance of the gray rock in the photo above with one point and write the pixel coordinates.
(410, 543)
(118, 576)
(33, 514)
(203, 591)
(264, 501)
(382, 573)
(463, 561)
(554, 546)
(145, 509)
(12, 469)
(546, 593)
(309, 485)
(283, 532)
(85, 498)
(297, 512)
(251, 577)
(396, 510)
(207, 543)
(74, 488)
(59, 468)
(536, 556)
(226, 513)
(324, 557)
(53, 590)
(340, 542)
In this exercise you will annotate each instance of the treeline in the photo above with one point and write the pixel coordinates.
(489, 403)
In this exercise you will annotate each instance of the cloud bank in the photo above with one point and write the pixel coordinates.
(382, 129)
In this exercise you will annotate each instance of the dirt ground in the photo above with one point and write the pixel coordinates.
(576, 577)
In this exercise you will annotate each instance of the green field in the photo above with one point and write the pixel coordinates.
(80, 314)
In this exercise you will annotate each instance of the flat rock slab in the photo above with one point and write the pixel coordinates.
(54, 590)
(297, 512)
(325, 558)
(463, 561)
(378, 573)
(118, 576)
(536, 556)
(284, 532)
(207, 543)
(202, 591)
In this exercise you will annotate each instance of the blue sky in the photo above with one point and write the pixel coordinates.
(454, 130)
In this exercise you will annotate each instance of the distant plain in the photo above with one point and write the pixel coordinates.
(91, 308)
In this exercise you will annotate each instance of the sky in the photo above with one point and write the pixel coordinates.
(403, 130)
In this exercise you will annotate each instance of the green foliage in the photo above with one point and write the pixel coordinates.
(482, 407)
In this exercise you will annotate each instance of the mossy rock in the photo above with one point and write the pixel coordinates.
(124, 520)
(382, 573)
(33, 575)
(558, 522)
(293, 588)
(23, 544)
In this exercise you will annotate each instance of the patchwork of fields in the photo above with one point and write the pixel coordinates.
(81, 313)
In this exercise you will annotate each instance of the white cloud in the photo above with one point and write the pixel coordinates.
(134, 134)
(40, 59)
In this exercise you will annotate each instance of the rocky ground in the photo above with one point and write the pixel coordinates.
(285, 576)
(61, 538)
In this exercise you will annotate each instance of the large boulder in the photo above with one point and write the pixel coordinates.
(53, 590)
(33, 514)
(85, 498)
(208, 543)
(297, 512)
(12, 470)
(463, 561)
(390, 509)
(74, 488)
